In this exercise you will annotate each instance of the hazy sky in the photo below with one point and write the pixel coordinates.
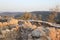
(27, 5)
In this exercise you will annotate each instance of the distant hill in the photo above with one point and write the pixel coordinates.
(18, 14)
(10, 13)
(45, 14)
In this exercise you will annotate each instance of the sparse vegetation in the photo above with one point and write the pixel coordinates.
(20, 29)
(53, 15)
(26, 16)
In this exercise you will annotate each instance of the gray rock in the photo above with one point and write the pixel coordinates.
(40, 34)
(35, 33)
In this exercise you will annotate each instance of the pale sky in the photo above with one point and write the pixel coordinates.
(27, 5)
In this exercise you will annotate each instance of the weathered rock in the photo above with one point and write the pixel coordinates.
(23, 33)
(40, 34)
(35, 33)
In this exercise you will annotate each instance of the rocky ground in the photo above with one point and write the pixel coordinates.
(29, 31)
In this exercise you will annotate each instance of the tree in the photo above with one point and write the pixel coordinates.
(26, 16)
(40, 17)
(34, 17)
(51, 17)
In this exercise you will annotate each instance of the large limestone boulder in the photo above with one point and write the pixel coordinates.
(40, 34)
(35, 33)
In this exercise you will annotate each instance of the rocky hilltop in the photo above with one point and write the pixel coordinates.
(13, 29)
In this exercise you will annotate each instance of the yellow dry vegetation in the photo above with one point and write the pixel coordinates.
(54, 34)
(5, 24)
(29, 25)
(13, 21)
(1, 24)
